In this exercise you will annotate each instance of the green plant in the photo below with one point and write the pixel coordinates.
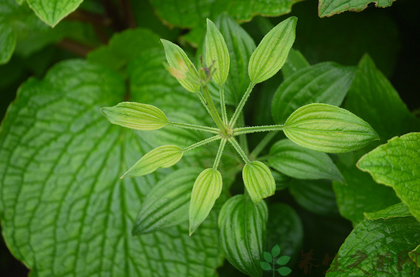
(82, 197)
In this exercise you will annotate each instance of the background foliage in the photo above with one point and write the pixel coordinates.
(128, 64)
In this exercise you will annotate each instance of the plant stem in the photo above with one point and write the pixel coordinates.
(239, 150)
(201, 143)
(242, 138)
(195, 127)
(203, 101)
(223, 105)
(219, 153)
(213, 111)
(254, 129)
(75, 47)
(263, 143)
(241, 105)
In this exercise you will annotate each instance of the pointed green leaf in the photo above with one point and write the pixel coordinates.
(53, 11)
(265, 266)
(302, 163)
(397, 210)
(136, 116)
(7, 42)
(397, 164)
(316, 196)
(167, 204)
(331, 7)
(295, 61)
(284, 271)
(268, 257)
(368, 86)
(258, 180)
(326, 83)
(327, 128)
(185, 71)
(283, 260)
(272, 51)
(217, 53)
(162, 157)
(375, 242)
(206, 190)
(275, 251)
(242, 226)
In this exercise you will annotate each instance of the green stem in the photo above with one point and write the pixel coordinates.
(213, 111)
(195, 127)
(223, 105)
(219, 153)
(239, 150)
(242, 138)
(241, 105)
(201, 143)
(254, 129)
(203, 102)
(263, 143)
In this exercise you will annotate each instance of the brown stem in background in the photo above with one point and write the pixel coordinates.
(128, 14)
(89, 17)
(75, 47)
(112, 11)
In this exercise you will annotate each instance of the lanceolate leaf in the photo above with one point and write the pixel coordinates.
(167, 204)
(136, 116)
(397, 164)
(63, 208)
(162, 157)
(328, 129)
(332, 7)
(217, 54)
(322, 83)
(52, 11)
(242, 226)
(185, 71)
(388, 240)
(206, 190)
(258, 180)
(7, 42)
(301, 163)
(272, 51)
(295, 61)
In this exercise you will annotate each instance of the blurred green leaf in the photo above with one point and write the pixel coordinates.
(295, 61)
(7, 42)
(332, 7)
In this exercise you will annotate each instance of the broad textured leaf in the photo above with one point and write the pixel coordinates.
(217, 54)
(272, 51)
(355, 198)
(52, 11)
(316, 196)
(327, 128)
(302, 163)
(63, 209)
(322, 83)
(285, 229)
(190, 13)
(162, 157)
(258, 180)
(386, 240)
(332, 7)
(179, 61)
(124, 47)
(368, 86)
(397, 210)
(167, 204)
(137, 116)
(295, 61)
(206, 190)
(397, 164)
(7, 42)
(242, 226)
